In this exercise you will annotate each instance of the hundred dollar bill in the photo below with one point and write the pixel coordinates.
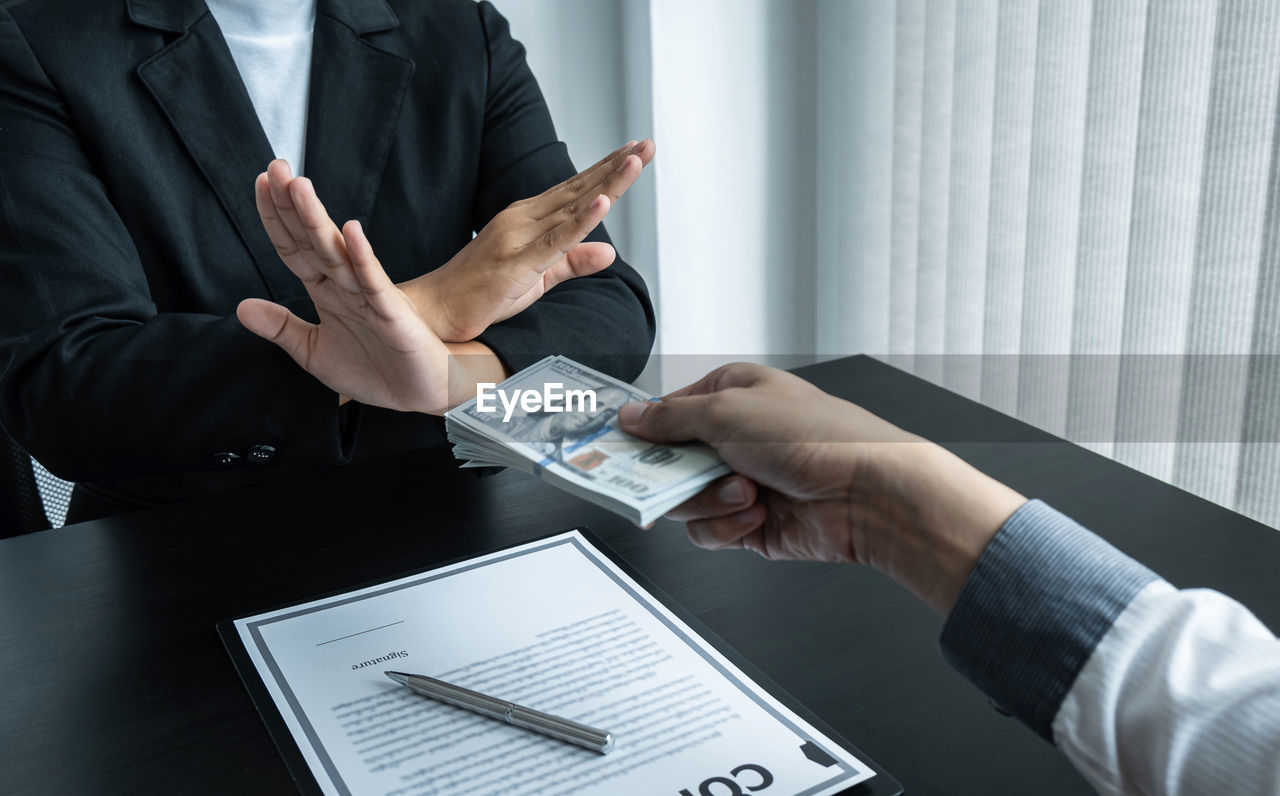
(557, 419)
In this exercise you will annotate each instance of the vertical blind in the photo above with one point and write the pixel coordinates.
(1066, 210)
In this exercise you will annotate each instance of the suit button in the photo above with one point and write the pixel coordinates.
(262, 453)
(226, 458)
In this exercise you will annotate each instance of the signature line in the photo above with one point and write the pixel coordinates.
(361, 633)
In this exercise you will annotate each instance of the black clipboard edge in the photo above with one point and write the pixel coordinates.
(882, 784)
(296, 764)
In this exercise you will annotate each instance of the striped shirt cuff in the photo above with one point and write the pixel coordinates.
(1041, 597)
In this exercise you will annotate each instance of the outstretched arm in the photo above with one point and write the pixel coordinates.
(819, 478)
(1146, 689)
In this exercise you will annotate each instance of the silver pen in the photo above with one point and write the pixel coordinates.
(516, 715)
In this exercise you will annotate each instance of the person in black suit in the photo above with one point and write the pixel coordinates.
(129, 235)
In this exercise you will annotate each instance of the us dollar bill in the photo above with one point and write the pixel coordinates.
(557, 419)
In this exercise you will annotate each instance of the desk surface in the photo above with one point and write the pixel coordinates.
(114, 679)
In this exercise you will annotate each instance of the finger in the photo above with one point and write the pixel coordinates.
(583, 259)
(686, 413)
(558, 240)
(584, 182)
(616, 182)
(281, 239)
(729, 531)
(326, 240)
(558, 195)
(278, 178)
(371, 279)
(613, 184)
(645, 150)
(270, 321)
(679, 419)
(725, 496)
(640, 154)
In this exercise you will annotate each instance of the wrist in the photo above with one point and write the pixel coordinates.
(424, 293)
(471, 363)
(934, 516)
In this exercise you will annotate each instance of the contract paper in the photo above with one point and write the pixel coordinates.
(553, 625)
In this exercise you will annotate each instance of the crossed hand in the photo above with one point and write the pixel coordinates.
(390, 345)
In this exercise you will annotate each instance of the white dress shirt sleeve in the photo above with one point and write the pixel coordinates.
(1181, 696)
(1146, 689)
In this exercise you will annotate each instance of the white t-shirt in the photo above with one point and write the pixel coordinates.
(270, 41)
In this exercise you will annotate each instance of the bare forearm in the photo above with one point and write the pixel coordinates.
(834, 483)
(934, 518)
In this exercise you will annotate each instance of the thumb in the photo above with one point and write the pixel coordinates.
(671, 420)
(584, 259)
(270, 321)
(589, 257)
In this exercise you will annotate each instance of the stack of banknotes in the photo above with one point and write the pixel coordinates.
(558, 420)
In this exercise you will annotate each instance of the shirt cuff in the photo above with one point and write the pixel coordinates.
(1041, 597)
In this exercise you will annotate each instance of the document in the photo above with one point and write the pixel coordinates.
(557, 419)
(553, 625)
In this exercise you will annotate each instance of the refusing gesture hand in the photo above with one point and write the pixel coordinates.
(527, 249)
(370, 345)
(385, 344)
(523, 251)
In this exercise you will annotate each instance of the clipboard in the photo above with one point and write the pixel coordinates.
(880, 784)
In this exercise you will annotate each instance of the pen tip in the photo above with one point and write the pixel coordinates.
(399, 677)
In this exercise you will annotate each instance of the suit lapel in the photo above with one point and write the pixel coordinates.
(196, 83)
(357, 91)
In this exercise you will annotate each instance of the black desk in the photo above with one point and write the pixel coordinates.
(113, 679)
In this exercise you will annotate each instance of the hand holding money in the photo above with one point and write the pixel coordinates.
(822, 479)
(558, 419)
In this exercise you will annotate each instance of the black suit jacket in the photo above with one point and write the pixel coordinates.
(128, 233)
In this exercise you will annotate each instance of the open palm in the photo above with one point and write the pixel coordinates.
(370, 345)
